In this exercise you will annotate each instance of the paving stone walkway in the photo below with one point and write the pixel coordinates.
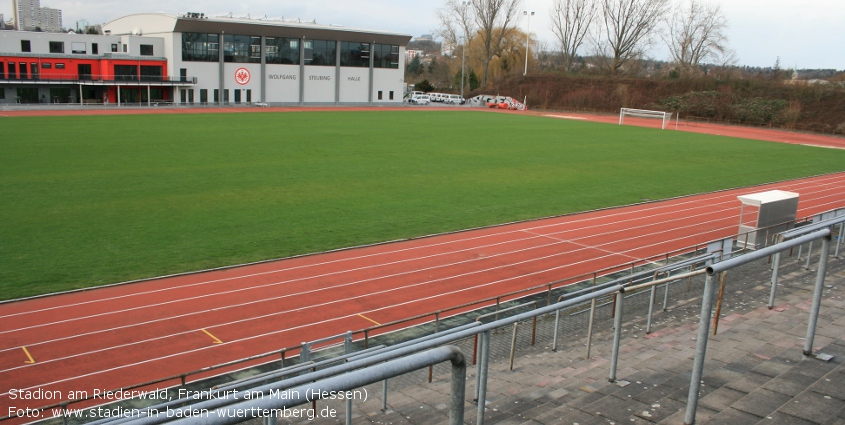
(755, 371)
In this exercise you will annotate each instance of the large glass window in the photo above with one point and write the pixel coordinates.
(151, 73)
(146, 50)
(2, 71)
(203, 96)
(57, 47)
(354, 54)
(125, 72)
(320, 52)
(281, 51)
(22, 69)
(33, 70)
(200, 47)
(385, 56)
(26, 46)
(241, 49)
(77, 48)
(12, 71)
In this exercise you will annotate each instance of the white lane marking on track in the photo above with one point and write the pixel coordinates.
(371, 294)
(320, 322)
(265, 299)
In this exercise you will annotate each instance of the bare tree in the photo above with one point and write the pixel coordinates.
(495, 20)
(628, 26)
(571, 20)
(695, 33)
(457, 26)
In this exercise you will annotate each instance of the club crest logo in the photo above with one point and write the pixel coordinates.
(242, 76)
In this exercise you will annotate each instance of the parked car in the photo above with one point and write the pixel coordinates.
(419, 99)
(455, 99)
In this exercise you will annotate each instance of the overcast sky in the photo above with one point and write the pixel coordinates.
(803, 33)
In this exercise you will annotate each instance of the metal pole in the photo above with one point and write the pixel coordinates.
(719, 301)
(666, 294)
(557, 324)
(700, 349)
(513, 345)
(651, 305)
(817, 297)
(384, 395)
(773, 291)
(839, 240)
(527, 32)
(481, 389)
(617, 335)
(650, 308)
(809, 254)
(590, 327)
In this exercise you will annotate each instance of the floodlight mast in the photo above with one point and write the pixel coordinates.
(527, 34)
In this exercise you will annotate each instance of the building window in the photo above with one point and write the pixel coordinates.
(281, 51)
(95, 50)
(225, 96)
(146, 50)
(2, 71)
(391, 94)
(190, 95)
(26, 46)
(237, 96)
(183, 96)
(216, 95)
(57, 47)
(125, 48)
(241, 49)
(248, 95)
(200, 47)
(355, 54)
(60, 65)
(320, 52)
(23, 70)
(380, 95)
(203, 96)
(151, 73)
(125, 72)
(114, 47)
(33, 71)
(46, 65)
(12, 71)
(77, 48)
(2, 89)
(385, 56)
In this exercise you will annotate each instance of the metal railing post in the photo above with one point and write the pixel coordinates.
(700, 349)
(384, 395)
(305, 352)
(513, 345)
(774, 289)
(839, 239)
(617, 335)
(651, 298)
(817, 297)
(481, 388)
(809, 254)
(554, 335)
(590, 327)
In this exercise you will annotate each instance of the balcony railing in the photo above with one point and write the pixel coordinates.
(95, 79)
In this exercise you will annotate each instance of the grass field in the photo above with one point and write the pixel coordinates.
(101, 199)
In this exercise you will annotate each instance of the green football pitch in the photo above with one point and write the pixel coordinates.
(94, 200)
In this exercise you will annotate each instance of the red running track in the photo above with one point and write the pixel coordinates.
(118, 336)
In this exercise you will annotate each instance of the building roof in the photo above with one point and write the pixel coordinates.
(156, 23)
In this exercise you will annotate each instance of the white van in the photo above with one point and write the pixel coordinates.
(455, 99)
(419, 99)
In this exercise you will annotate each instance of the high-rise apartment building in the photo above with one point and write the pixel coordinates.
(29, 16)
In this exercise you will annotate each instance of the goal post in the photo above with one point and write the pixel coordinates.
(666, 117)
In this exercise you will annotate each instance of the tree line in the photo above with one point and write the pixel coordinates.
(606, 36)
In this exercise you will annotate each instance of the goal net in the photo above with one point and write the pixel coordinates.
(666, 117)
